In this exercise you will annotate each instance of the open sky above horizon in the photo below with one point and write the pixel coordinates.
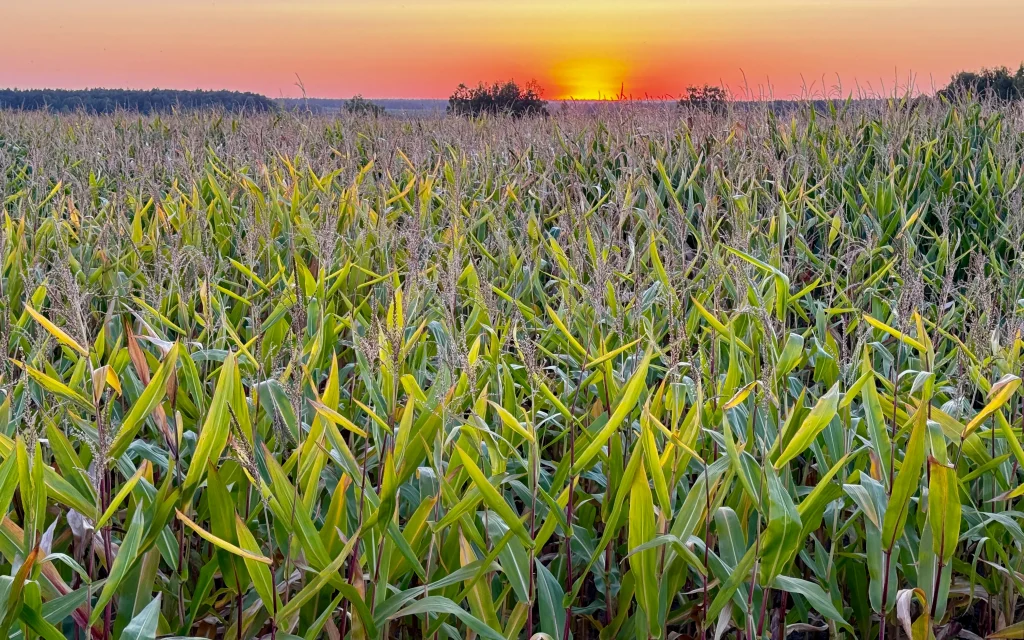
(573, 48)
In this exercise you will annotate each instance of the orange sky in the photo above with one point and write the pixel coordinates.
(580, 48)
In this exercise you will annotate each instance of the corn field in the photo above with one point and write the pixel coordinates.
(646, 374)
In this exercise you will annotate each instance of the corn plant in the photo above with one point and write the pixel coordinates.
(751, 374)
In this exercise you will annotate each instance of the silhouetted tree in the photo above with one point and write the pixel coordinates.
(504, 98)
(989, 83)
(705, 98)
(358, 105)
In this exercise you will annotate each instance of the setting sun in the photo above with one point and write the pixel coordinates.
(588, 79)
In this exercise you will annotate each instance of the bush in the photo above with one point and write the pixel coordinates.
(998, 83)
(360, 106)
(705, 98)
(501, 98)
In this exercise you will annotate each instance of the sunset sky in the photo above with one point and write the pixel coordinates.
(577, 48)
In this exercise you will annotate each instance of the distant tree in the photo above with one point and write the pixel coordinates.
(109, 100)
(706, 98)
(997, 83)
(360, 106)
(500, 98)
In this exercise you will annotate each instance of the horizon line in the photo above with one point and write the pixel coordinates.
(861, 94)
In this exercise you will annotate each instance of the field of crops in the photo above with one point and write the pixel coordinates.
(644, 375)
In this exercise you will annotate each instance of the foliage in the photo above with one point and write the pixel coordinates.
(705, 98)
(360, 106)
(500, 98)
(998, 83)
(110, 100)
(309, 377)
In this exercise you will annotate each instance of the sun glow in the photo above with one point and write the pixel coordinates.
(588, 79)
(574, 48)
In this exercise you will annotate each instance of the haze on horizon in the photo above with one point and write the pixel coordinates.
(574, 48)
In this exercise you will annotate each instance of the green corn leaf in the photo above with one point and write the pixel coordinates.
(644, 563)
(906, 483)
(144, 625)
(814, 594)
(494, 499)
(943, 510)
(125, 558)
(216, 429)
(999, 395)
(630, 395)
(220, 543)
(151, 397)
(822, 413)
(549, 602)
(438, 605)
(782, 536)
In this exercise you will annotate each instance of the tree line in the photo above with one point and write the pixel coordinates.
(110, 100)
(998, 83)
